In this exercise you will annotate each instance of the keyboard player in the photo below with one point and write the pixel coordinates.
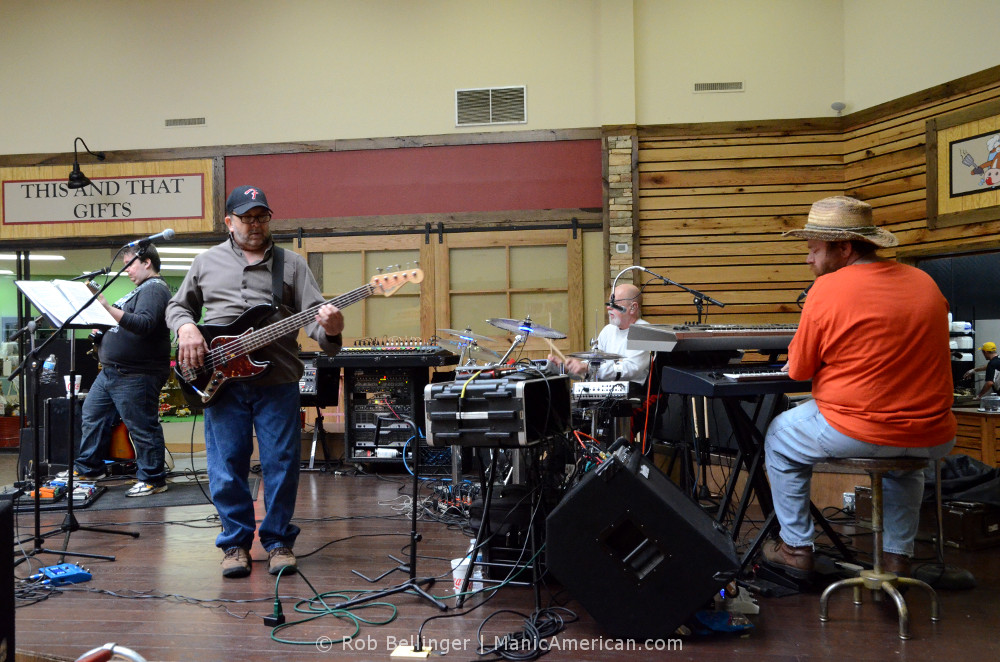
(623, 309)
(873, 337)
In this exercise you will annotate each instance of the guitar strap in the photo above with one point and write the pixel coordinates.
(277, 275)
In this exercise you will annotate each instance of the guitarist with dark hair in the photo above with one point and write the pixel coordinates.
(135, 360)
(247, 273)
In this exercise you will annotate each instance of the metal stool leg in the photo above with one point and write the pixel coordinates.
(878, 580)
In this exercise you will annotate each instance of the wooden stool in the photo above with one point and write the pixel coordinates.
(877, 579)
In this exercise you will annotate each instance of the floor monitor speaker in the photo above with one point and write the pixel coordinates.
(637, 553)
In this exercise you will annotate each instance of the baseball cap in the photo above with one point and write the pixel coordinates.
(244, 198)
(989, 347)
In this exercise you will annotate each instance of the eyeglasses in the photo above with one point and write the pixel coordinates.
(254, 220)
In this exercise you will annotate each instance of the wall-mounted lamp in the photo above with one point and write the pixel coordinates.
(76, 178)
(838, 106)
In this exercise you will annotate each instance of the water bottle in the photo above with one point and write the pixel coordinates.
(48, 370)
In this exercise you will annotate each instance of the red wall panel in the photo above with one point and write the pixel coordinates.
(425, 180)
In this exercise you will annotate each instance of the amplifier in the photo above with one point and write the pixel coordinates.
(510, 411)
(600, 390)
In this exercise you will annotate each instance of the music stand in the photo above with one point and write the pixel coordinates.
(70, 523)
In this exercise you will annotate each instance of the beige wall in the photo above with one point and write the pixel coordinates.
(296, 70)
(788, 53)
(267, 71)
(896, 47)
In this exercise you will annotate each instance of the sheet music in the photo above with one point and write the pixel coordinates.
(59, 299)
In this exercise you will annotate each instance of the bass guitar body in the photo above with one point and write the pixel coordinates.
(201, 387)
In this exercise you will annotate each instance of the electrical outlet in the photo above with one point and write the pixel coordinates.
(849, 502)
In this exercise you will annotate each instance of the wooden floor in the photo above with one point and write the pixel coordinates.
(164, 597)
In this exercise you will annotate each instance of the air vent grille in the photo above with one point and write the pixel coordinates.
(490, 105)
(719, 87)
(184, 121)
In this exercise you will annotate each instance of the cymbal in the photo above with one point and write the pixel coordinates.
(479, 349)
(595, 355)
(467, 335)
(525, 326)
(474, 348)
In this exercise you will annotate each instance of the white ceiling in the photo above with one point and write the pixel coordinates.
(78, 261)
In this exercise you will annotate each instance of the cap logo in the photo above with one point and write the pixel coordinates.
(252, 192)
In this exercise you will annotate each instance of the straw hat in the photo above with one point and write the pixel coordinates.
(843, 219)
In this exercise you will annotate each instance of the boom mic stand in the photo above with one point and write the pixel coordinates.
(70, 523)
(699, 298)
(413, 584)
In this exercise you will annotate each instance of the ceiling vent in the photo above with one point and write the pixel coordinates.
(490, 105)
(719, 87)
(184, 121)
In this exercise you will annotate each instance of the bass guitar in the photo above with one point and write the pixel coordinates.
(230, 344)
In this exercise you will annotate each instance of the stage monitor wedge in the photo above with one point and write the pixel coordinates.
(637, 553)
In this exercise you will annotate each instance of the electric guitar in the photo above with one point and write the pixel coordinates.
(230, 344)
(121, 448)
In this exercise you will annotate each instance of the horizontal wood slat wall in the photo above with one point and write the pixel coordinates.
(713, 200)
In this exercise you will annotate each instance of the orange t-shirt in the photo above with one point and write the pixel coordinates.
(874, 340)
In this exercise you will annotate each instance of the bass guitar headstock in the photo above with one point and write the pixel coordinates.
(387, 284)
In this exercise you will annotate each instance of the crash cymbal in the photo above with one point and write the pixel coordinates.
(525, 326)
(467, 335)
(595, 355)
(479, 349)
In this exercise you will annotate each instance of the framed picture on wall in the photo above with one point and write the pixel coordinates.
(963, 167)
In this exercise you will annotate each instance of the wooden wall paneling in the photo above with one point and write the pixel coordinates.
(711, 211)
(714, 198)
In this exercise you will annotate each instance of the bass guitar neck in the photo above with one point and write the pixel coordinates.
(230, 345)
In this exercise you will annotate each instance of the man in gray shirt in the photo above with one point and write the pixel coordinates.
(226, 281)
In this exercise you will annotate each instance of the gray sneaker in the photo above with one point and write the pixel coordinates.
(281, 557)
(77, 476)
(236, 563)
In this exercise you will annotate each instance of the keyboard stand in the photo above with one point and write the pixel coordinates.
(751, 457)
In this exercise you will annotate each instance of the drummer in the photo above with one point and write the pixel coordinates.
(633, 366)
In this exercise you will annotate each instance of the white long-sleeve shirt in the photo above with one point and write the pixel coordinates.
(634, 364)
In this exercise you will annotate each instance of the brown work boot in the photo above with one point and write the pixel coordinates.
(236, 563)
(795, 561)
(281, 558)
(899, 564)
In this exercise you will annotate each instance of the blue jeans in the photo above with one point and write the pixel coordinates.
(799, 438)
(273, 412)
(135, 397)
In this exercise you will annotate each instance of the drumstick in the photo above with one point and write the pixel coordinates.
(555, 350)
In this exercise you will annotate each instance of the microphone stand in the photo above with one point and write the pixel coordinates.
(70, 523)
(699, 298)
(413, 584)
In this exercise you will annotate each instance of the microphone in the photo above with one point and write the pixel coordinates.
(803, 294)
(612, 304)
(92, 274)
(165, 235)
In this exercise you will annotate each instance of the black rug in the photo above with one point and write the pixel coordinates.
(113, 498)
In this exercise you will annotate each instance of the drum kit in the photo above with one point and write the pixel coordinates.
(472, 353)
(475, 357)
